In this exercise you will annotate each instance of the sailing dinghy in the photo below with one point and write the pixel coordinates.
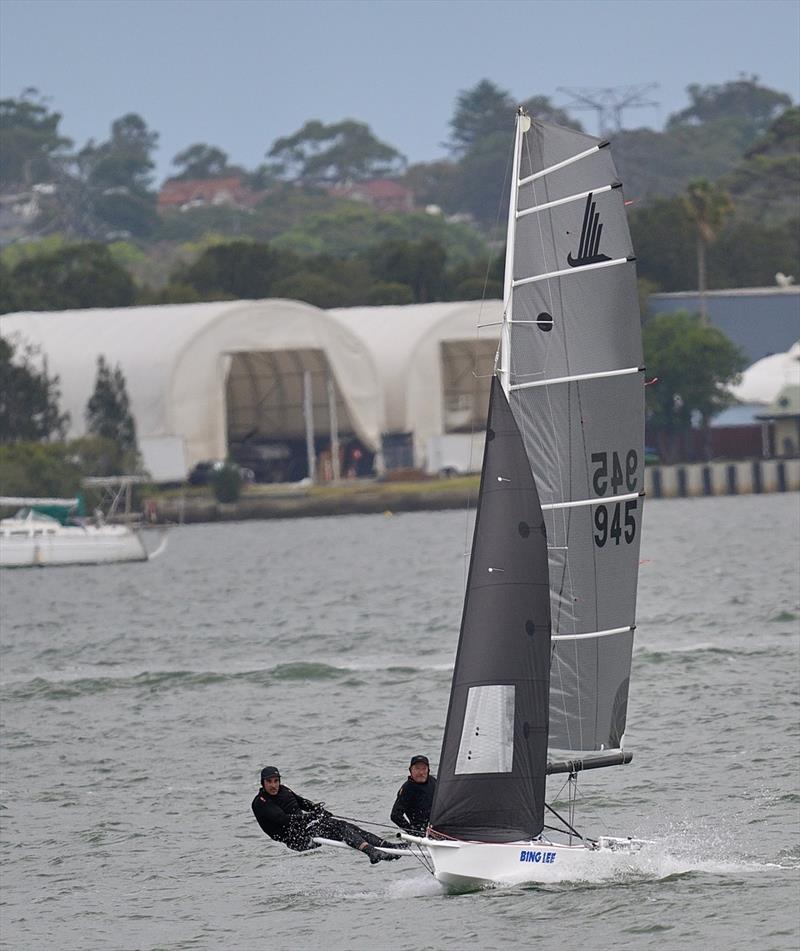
(540, 682)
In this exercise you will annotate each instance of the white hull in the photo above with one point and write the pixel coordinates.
(24, 545)
(470, 865)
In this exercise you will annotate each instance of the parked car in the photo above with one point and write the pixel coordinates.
(204, 471)
(269, 462)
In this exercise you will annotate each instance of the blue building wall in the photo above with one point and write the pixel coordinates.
(761, 320)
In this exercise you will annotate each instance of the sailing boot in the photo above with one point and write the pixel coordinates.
(393, 844)
(375, 855)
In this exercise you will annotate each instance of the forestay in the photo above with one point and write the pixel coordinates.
(572, 366)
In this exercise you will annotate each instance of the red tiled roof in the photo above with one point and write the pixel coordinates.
(178, 192)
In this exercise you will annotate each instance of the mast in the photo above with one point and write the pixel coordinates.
(523, 123)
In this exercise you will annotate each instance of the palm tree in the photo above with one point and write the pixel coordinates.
(708, 206)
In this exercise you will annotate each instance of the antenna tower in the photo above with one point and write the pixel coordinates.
(609, 101)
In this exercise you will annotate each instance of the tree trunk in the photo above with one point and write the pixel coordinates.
(701, 278)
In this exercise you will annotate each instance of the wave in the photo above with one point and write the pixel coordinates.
(689, 652)
(64, 686)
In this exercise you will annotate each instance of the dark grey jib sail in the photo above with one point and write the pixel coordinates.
(574, 375)
(492, 769)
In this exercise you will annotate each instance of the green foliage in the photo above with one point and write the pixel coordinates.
(766, 185)
(31, 147)
(652, 164)
(102, 456)
(39, 469)
(354, 229)
(482, 138)
(13, 254)
(56, 469)
(238, 269)
(742, 101)
(693, 363)
(745, 253)
(108, 412)
(227, 483)
(708, 206)
(125, 159)
(416, 264)
(202, 162)
(480, 112)
(343, 151)
(313, 288)
(79, 275)
(663, 236)
(486, 110)
(383, 293)
(477, 288)
(8, 291)
(28, 397)
(749, 254)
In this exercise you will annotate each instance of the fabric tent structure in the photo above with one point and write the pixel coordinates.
(435, 361)
(202, 375)
(762, 381)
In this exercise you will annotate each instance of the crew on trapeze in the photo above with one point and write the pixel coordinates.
(294, 821)
(412, 807)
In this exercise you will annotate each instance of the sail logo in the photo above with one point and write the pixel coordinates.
(592, 229)
(544, 858)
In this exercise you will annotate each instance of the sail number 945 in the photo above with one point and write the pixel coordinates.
(612, 521)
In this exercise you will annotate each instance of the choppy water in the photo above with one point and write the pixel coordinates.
(140, 701)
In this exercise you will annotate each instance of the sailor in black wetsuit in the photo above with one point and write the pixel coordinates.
(288, 818)
(412, 808)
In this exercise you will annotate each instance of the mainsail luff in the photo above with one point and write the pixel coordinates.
(576, 390)
(493, 764)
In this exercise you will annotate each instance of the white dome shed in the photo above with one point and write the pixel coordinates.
(202, 376)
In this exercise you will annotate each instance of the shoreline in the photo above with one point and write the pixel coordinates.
(369, 497)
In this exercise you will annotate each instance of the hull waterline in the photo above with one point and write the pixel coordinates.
(470, 865)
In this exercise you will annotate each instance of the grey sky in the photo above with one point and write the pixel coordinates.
(240, 73)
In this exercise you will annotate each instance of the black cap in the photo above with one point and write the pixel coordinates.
(419, 759)
(269, 771)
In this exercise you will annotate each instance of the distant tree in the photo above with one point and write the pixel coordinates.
(226, 483)
(117, 179)
(75, 276)
(343, 151)
(483, 182)
(237, 269)
(742, 100)
(766, 185)
(202, 162)
(417, 264)
(313, 288)
(108, 412)
(693, 363)
(708, 206)
(8, 294)
(384, 293)
(126, 159)
(352, 228)
(47, 470)
(749, 253)
(480, 112)
(435, 183)
(485, 110)
(29, 397)
(31, 147)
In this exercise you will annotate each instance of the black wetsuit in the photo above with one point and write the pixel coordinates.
(412, 808)
(288, 818)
